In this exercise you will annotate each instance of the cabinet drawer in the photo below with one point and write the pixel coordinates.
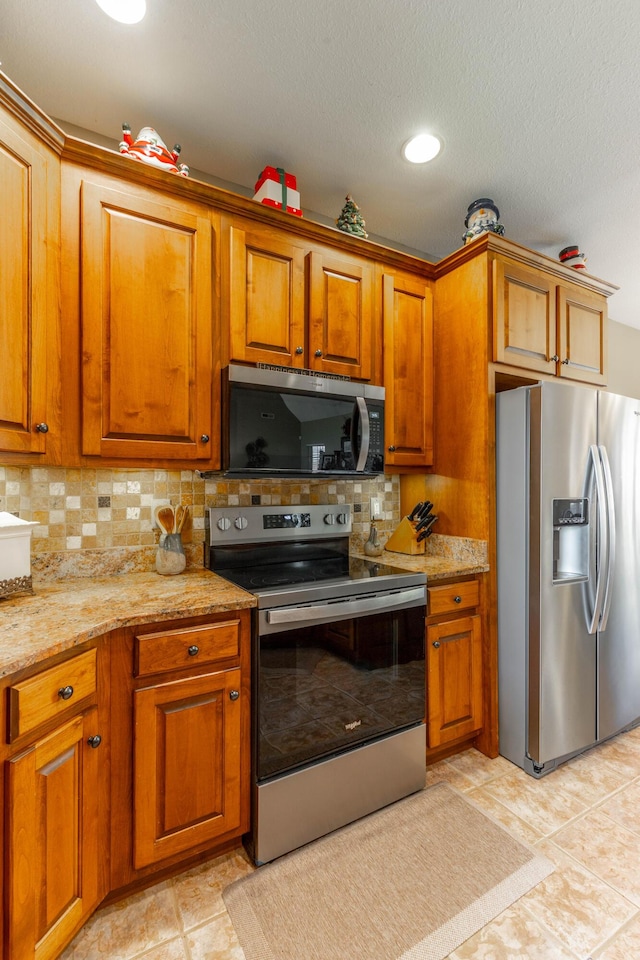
(177, 649)
(452, 597)
(34, 701)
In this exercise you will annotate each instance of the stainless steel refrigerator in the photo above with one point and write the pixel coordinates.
(568, 525)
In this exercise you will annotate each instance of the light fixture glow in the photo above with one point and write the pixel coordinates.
(124, 11)
(422, 148)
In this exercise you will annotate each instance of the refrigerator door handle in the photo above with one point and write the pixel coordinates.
(595, 463)
(611, 536)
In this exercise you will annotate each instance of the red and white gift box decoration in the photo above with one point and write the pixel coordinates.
(276, 188)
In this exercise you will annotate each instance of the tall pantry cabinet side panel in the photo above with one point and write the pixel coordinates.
(460, 484)
(462, 481)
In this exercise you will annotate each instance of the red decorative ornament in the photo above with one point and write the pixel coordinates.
(150, 148)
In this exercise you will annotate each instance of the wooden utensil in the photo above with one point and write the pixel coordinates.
(165, 518)
(181, 516)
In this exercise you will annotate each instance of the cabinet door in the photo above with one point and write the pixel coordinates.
(341, 315)
(408, 371)
(266, 298)
(52, 829)
(524, 317)
(146, 326)
(454, 679)
(29, 196)
(582, 323)
(187, 755)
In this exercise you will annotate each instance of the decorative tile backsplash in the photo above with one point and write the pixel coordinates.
(88, 509)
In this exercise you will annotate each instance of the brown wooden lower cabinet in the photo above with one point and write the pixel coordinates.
(186, 758)
(121, 762)
(180, 712)
(54, 831)
(454, 663)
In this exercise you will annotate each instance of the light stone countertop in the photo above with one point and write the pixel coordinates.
(79, 598)
(64, 613)
(436, 568)
(444, 557)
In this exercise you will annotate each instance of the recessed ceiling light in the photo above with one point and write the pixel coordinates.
(422, 148)
(125, 11)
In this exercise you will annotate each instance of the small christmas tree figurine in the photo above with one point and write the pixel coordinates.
(351, 220)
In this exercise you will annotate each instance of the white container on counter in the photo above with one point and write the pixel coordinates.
(15, 554)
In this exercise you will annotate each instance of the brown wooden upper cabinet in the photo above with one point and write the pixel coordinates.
(408, 370)
(298, 305)
(147, 332)
(29, 303)
(547, 326)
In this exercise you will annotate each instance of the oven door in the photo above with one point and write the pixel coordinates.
(331, 676)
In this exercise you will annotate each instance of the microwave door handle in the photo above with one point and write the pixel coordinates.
(362, 415)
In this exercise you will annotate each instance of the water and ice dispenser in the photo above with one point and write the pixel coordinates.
(570, 540)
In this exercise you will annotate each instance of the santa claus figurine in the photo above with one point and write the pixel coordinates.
(151, 148)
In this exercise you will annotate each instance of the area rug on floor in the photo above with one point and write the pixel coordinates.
(410, 882)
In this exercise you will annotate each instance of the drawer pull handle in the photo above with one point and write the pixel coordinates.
(436, 644)
(65, 693)
(457, 599)
(42, 427)
(193, 650)
(234, 694)
(94, 741)
(204, 438)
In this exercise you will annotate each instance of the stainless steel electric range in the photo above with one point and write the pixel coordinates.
(338, 670)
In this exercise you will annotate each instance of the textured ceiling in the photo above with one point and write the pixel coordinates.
(538, 105)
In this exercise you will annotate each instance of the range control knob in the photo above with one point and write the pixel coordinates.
(329, 519)
(223, 523)
(342, 518)
(241, 523)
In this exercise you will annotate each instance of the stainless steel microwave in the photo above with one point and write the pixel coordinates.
(284, 422)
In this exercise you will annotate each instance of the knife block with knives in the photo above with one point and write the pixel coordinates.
(411, 533)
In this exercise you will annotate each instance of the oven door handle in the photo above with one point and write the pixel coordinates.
(358, 607)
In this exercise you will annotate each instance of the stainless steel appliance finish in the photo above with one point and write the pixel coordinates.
(338, 671)
(281, 421)
(568, 469)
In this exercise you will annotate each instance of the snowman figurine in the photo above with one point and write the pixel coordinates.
(571, 257)
(151, 148)
(482, 216)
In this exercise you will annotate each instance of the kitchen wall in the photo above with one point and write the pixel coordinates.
(624, 359)
(110, 510)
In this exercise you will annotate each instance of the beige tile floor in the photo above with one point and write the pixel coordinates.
(585, 817)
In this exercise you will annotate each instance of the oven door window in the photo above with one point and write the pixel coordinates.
(326, 688)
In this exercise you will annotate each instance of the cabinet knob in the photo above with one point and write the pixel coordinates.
(391, 449)
(193, 650)
(457, 599)
(94, 741)
(42, 427)
(318, 353)
(565, 361)
(234, 694)
(554, 358)
(299, 350)
(204, 438)
(436, 644)
(65, 693)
